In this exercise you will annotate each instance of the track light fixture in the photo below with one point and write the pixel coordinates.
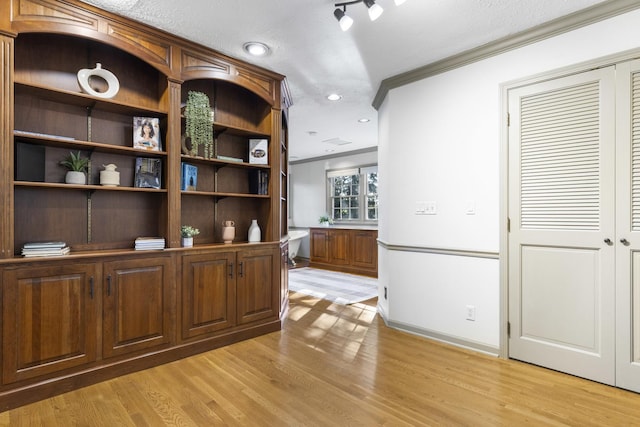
(346, 21)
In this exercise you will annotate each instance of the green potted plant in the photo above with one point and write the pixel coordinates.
(76, 167)
(199, 124)
(187, 232)
(325, 220)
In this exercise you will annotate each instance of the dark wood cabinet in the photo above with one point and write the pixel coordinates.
(347, 250)
(257, 285)
(284, 278)
(49, 319)
(365, 249)
(224, 289)
(319, 245)
(137, 305)
(107, 309)
(208, 293)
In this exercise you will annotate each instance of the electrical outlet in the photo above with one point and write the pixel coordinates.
(471, 312)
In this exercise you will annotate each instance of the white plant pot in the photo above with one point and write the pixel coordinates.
(187, 242)
(74, 177)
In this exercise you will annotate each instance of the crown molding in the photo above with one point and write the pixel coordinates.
(549, 29)
(334, 155)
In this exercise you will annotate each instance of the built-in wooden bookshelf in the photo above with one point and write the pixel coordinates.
(124, 309)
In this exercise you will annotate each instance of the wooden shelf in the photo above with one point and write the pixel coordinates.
(222, 163)
(86, 187)
(76, 144)
(221, 194)
(83, 100)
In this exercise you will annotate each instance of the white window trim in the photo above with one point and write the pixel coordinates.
(362, 171)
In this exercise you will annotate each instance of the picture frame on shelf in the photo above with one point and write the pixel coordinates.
(146, 133)
(148, 173)
(259, 151)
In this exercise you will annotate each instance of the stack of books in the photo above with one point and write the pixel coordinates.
(38, 249)
(149, 243)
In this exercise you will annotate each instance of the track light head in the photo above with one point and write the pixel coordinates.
(374, 10)
(344, 20)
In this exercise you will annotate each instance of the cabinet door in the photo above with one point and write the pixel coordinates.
(137, 305)
(339, 247)
(319, 245)
(208, 293)
(48, 319)
(257, 284)
(365, 249)
(284, 277)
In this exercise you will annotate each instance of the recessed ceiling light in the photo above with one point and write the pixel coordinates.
(363, 120)
(334, 97)
(256, 48)
(329, 150)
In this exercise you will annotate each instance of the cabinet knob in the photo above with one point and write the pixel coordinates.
(624, 241)
(608, 241)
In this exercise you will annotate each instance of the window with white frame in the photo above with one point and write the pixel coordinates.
(353, 194)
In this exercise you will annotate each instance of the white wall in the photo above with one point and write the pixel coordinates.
(439, 140)
(307, 189)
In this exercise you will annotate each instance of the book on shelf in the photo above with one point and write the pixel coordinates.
(259, 182)
(42, 135)
(43, 249)
(148, 173)
(258, 151)
(146, 133)
(149, 243)
(188, 177)
(230, 159)
(44, 245)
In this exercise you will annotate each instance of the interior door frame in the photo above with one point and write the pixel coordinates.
(505, 87)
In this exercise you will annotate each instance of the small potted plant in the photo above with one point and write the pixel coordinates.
(325, 220)
(187, 232)
(77, 166)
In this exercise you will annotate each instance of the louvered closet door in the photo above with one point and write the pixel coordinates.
(561, 210)
(628, 226)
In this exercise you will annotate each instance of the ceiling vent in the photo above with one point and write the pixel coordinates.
(336, 141)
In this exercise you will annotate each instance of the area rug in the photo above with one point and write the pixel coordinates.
(340, 288)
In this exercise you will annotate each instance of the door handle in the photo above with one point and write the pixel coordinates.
(608, 241)
(624, 241)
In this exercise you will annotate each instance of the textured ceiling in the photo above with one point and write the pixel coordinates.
(318, 58)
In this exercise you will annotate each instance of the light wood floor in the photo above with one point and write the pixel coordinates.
(336, 365)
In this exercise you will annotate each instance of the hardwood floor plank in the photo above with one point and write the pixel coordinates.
(337, 365)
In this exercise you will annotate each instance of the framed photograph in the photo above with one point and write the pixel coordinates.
(148, 173)
(146, 133)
